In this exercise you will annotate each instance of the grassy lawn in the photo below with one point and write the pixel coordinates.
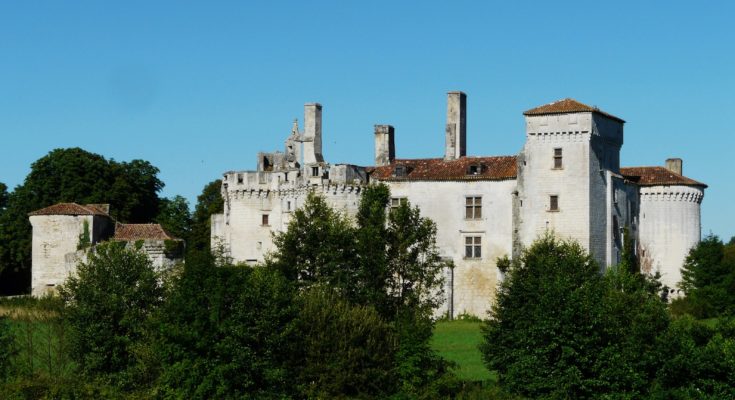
(457, 341)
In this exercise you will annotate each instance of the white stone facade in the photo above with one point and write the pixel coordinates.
(566, 179)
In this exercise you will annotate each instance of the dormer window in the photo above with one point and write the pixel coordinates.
(400, 171)
(474, 169)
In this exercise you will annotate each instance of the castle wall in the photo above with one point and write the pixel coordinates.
(475, 280)
(54, 236)
(669, 227)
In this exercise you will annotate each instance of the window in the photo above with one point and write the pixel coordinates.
(239, 178)
(473, 207)
(265, 220)
(554, 203)
(557, 159)
(288, 206)
(474, 169)
(314, 171)
(400, 171)
(473, 247)
(396, 202)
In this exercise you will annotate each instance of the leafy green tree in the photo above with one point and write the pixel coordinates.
(708, 279)
(175, 217)
(71, 175)
(345, 350)
(226, 332)
(317, 248)
(699, 361)
(559, 329)
(3, 197)
(208, 202)
(108, 303)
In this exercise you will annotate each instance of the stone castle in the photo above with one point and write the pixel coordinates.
(566, 179)
(64, 233)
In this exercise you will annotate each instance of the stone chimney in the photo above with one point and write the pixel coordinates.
(674, 165)
(385, 147)
(313, 133)
(456, 132)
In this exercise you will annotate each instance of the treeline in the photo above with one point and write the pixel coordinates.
(342, 309)
(74, 175)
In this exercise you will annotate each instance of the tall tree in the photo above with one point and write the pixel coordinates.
(3, 196)
(175, 217)
(71, 175)
(708, 279)
(559, 329)
(208, 202)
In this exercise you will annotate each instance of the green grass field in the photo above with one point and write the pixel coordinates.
(457, 341)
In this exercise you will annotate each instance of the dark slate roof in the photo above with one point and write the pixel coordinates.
(657, 176)
(566, 106)
(141, 232)
(437, 169)
(73, 209)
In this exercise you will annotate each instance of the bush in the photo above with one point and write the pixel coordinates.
(346, 351)
(108, 304)
(559, 329)
(226, 332)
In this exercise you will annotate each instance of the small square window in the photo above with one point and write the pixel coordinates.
(473, 207)
(558, 159)
(553, 203)
(396, 202)
(265, 220)
(473, 247)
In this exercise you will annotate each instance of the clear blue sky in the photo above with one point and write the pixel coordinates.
(197, 88)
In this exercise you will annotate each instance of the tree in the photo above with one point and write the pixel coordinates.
(559, 329)
(708, 279)
(226, 332)
(3, 197)
(71, 175)
(174, 217)
(108, 303)
(208, 202)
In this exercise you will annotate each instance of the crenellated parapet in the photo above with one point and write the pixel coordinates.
(687, 194)
(236, 193)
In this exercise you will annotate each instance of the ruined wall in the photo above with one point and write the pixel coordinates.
(475, 279)
(669, 227)
(54, 236)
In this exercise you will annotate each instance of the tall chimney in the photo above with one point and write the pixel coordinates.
(674, 165)
(385, 147)
(313, 133)
(456, 132)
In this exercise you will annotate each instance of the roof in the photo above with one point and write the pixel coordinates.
(657, 176)
(72, 209)
(438, 169)
(566, 106)
(141, 232)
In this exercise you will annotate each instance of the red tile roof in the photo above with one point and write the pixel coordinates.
(657, 176)
(72, 209)
(566, 106)
(437, 169)
(141, 232)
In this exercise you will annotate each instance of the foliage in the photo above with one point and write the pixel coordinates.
(3, 196)
(173, 248)
(559, 329)
(208, 202)
(699, 361)
(84, 240)
(345, 350)
(317, 248)
(226, 332)
(7, 348)
(108, 303)
(71, 175)
(708, 280)
(174, 217)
